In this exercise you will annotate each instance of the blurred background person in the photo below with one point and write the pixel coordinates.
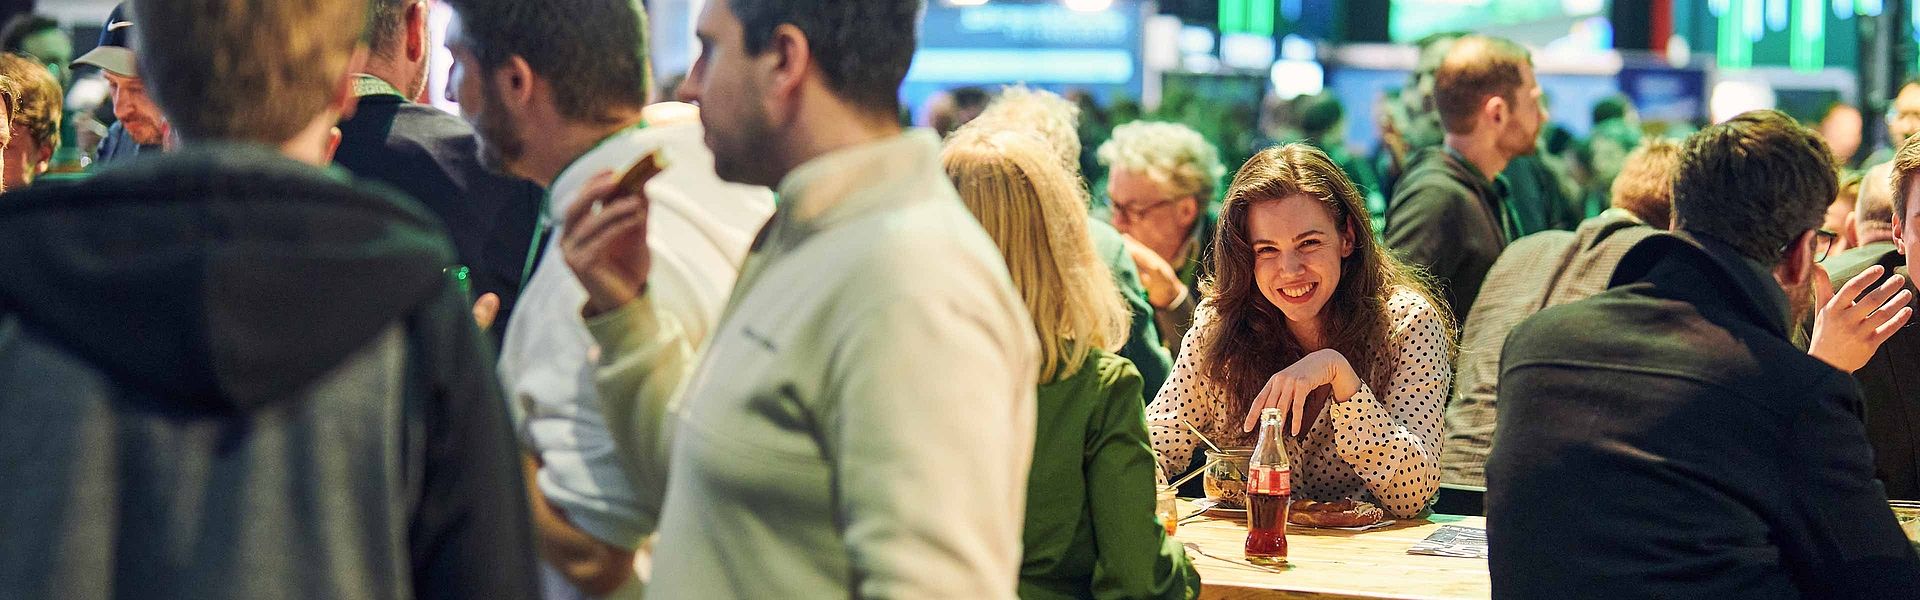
(42, 39)
(140, 126)
(1160, 184)
(1056, 121)
(1615, 133)
(1903, 120)
(252, 367)
(1450, 216)
(1873, 216)
(1090, 505)
(1420, 126)
(1841, 126)
(1323, 123)
(36, 121)
(1839, 216)
(433, 157)
(956, 107)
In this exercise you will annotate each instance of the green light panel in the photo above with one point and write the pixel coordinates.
(1247, 16)
(1735, 48)
(1808, 44)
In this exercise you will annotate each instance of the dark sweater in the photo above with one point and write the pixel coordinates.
(430, 155)
(1890, 382)
(225, 374)
(1663, 439)
(1447, 218)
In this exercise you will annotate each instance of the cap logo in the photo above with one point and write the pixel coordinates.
(119, 25)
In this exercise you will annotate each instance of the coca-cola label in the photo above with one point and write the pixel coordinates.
(1270, 480)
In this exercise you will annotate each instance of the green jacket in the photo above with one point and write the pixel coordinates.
(1090, 527)
(1143, 342)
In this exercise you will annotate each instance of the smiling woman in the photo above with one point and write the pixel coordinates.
(1308, 313)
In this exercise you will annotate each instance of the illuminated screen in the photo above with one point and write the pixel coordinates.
(1533, 22)
(1044, 44)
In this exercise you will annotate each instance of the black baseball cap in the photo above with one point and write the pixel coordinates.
(115, 51)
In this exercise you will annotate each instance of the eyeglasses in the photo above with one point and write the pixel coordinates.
(1140, 213)
(1822, 243)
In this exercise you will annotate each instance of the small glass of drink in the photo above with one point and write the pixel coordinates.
(1166, 508)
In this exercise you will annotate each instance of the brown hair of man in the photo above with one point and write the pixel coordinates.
(1477, 68)
(1905, 162)
(37, 108)
(1645, 184)
(863, 47)
(245, 70)
(1755, 182)
(593, 53)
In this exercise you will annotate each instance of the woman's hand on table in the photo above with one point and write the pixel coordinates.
(1288, 389)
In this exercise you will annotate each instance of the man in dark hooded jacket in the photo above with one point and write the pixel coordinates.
(229, 373)
(1665, 439)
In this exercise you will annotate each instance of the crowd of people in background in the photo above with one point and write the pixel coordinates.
(293, 332)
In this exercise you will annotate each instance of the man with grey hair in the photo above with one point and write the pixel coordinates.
(1160, 184)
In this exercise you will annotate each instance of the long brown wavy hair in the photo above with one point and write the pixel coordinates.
(1247, 340)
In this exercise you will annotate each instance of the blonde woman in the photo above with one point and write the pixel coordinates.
(1055, 120)
(1090, 530)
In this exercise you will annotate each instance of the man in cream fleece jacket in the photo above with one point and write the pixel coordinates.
(544, 119)
(861, 421)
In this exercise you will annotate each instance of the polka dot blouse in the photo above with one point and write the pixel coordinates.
(1381, 448)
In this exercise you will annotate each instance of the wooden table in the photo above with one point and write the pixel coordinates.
(1332, 564)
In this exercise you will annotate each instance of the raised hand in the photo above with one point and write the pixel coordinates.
(1850, 327)
(1288, 389)
(1162, 282)
(605, 243)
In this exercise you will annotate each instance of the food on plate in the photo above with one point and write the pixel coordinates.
(1339, 513)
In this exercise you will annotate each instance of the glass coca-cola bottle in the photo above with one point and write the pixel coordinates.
(1269, 491)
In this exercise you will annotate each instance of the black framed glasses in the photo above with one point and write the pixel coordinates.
(1822, 243)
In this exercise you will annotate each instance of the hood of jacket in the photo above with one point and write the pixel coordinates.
(219, 276)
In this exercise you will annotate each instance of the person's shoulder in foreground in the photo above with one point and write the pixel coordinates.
(166, 296)
(269, 388)
(1663, 439)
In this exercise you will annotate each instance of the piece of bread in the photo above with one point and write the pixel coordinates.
(1339, 513)
(634, 181)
